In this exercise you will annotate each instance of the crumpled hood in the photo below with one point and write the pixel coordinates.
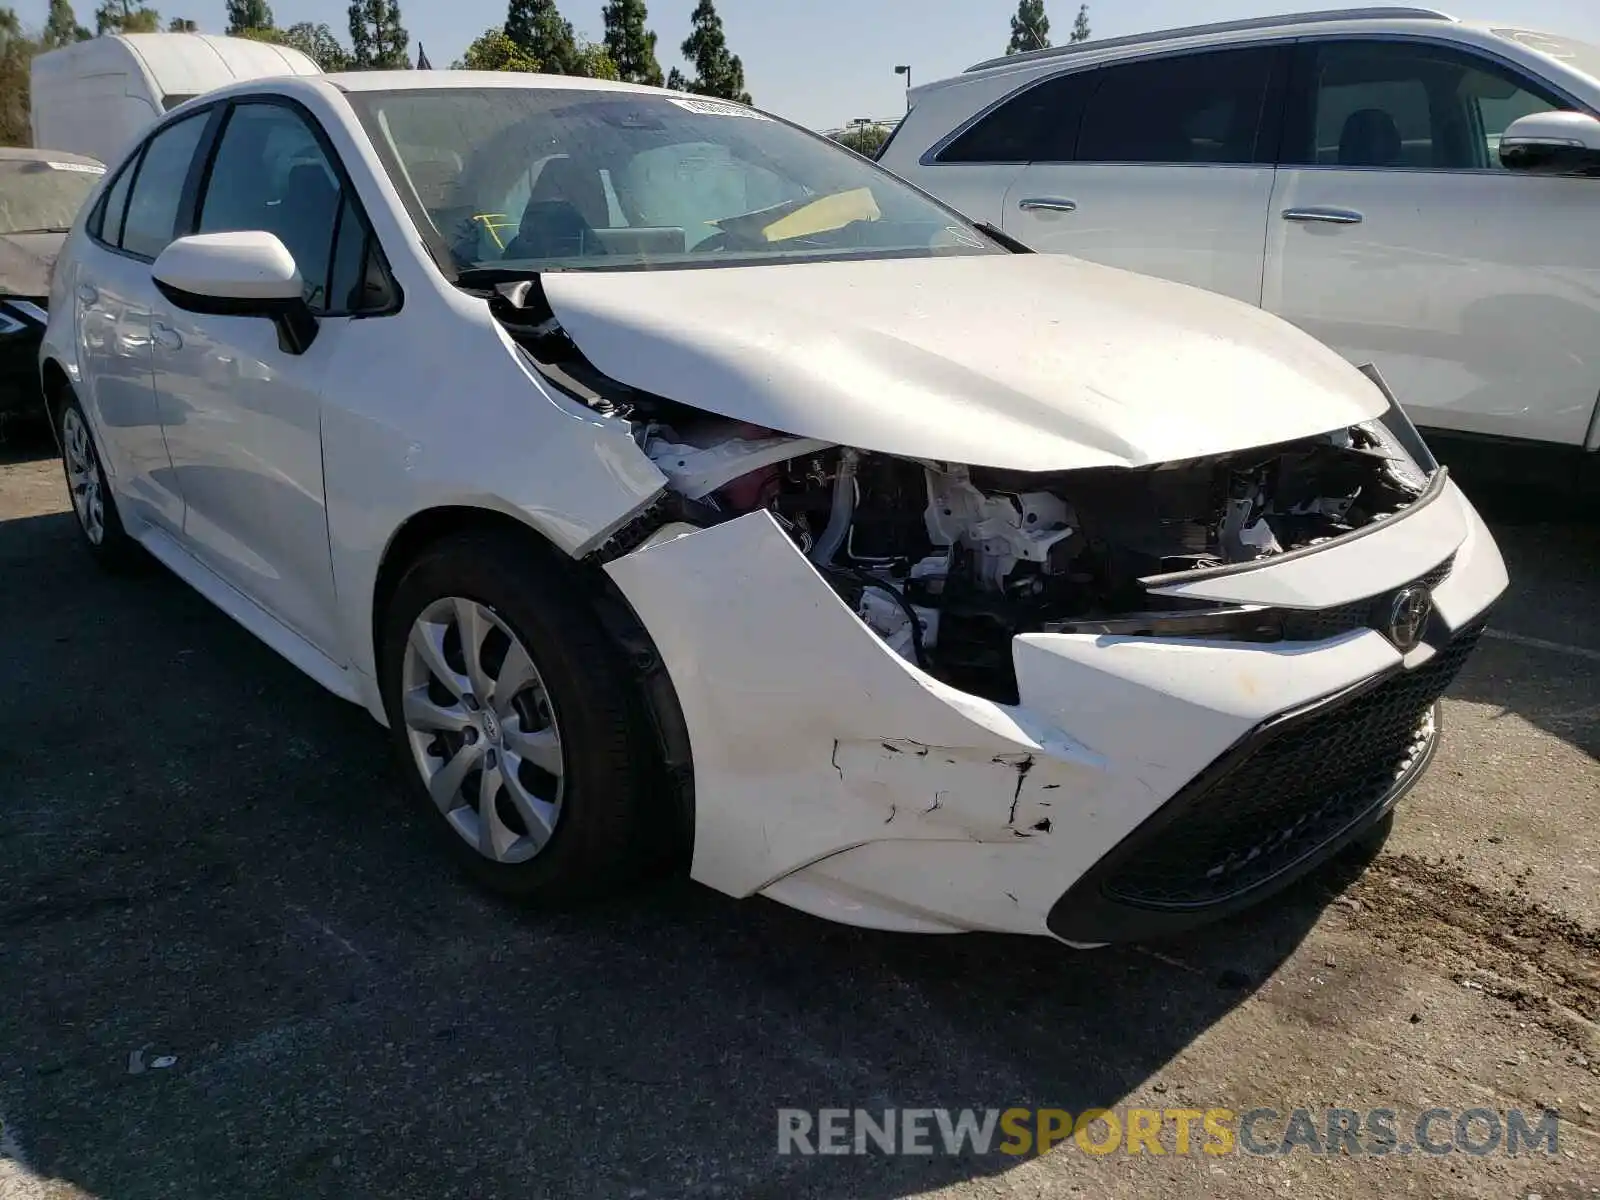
(25, 261)
(1023, 361)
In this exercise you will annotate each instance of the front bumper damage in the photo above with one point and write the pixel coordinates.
(1141, 785)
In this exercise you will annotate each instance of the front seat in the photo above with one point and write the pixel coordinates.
(304, 222)
(567, 205)
(1370, 139)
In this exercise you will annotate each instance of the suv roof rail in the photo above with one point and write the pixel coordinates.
(1162, 35)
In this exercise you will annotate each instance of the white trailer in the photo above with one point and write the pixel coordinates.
(96, 97)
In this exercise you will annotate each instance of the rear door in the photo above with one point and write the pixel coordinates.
(115, 295)
(1397, 238)
(1161, 165)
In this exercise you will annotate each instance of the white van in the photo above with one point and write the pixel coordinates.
(96, 97)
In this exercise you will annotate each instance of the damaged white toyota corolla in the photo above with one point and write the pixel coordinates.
(664, 476)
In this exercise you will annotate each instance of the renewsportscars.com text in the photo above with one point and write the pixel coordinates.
(1372, 1132)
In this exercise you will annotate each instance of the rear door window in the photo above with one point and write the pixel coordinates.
(1037, 125)
(158, 187)
(1208, 108)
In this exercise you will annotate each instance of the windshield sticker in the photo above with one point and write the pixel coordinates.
(716, 108)
(81, 168)
(964, 237)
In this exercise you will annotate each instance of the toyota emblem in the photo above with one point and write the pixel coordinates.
(1408, 616)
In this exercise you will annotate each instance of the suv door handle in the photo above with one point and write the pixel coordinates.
(1047, 204)
(1324, 216)
(165, 336)
(87, 295)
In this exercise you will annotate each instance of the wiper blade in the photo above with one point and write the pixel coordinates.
(1004, 238)
(41, 229)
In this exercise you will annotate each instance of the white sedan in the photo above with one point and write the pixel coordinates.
(666, 478)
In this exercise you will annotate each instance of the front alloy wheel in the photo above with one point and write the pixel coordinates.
(515, 720)
(481, 729)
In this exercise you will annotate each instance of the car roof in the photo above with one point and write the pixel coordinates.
(393, 81)
(1254, 25)
(31, 154)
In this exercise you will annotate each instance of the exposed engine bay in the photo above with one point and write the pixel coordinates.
(947, 563)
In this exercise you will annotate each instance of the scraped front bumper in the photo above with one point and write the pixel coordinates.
(1140, 785)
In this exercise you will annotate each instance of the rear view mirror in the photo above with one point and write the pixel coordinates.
(249, 274)
(1552, 143)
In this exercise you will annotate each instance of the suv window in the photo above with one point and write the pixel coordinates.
(1036, 125)
(1192, 108)
(270, 173)
(158, 187)
(1404, 105)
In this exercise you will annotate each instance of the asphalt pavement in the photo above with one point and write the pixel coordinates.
(204, 857)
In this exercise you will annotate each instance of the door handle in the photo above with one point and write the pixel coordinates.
(1047, 204)
(87, 295)
(1323, 216)
(165, 336)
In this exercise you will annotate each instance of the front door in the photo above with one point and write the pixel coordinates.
(1398, 239)
(242, 414)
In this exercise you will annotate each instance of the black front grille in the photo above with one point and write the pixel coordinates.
(1290, 790)
(1315, 625)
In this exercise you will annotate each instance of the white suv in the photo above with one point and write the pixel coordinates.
(1408, 188)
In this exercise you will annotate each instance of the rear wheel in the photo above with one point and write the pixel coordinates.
(512, 715)
(92, 501)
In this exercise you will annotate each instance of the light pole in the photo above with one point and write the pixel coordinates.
(906, 71)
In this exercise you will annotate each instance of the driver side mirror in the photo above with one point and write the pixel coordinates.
(249, 274)
(1552, 143)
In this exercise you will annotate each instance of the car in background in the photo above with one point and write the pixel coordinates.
(1417, 192)
(97, 96)
(726, 492)
(41, 192)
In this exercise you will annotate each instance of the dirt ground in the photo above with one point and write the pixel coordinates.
(204, 856)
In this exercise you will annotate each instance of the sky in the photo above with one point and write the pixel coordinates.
(825, 63)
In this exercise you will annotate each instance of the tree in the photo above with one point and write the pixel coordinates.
(863, 139)
(542, 33)
(1030, 28)
(631, 46)
(495, 51)
(61, 27)
(120, 16)
(248, 14)
(377, 39)
(16, 53)
(676, 81)
(315, 41)
(717, 73)
(594, 63)
(1080, 27)
(183, 25)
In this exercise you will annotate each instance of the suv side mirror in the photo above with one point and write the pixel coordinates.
(1552, 143)
(249, 274)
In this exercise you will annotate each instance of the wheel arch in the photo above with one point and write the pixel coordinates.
(653, 687)
(57, 386)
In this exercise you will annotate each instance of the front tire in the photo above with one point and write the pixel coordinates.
(512, 716)
(99, 523)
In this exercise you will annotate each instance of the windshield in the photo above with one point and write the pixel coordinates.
(543, 179)
(40, 195)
